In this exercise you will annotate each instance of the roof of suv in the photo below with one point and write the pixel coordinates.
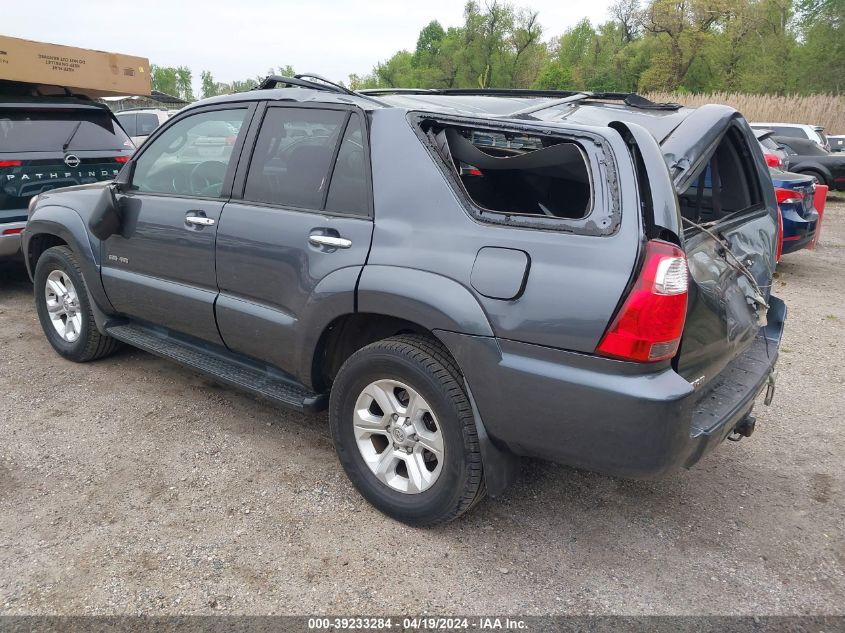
(57, 102)
(584, 108)
(145, 111)
(758, 124)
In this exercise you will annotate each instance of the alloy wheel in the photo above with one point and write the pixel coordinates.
(398, 436)
(63, 306)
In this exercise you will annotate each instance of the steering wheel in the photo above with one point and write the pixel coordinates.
(207, 178)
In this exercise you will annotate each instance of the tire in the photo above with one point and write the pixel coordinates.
(422, 369)
(83, 341)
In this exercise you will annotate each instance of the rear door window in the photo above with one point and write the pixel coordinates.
(34, 130)
(348, 190)
(147, 124)
(293, 153)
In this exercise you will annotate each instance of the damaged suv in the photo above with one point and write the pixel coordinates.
(460, 277)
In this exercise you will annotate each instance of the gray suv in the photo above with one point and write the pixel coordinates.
(461, 277)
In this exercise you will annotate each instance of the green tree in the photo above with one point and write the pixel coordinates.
(554, 76)
(682, 29)
(823, 51)
(164, 79)
(183, 83)
(210, 88)
(761, 46)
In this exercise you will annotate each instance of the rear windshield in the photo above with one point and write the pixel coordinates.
(49, 130)
(726, 184)
(768, 143)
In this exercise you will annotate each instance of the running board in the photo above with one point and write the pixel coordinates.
(266, 384)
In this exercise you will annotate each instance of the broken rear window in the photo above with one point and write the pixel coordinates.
(517, 174)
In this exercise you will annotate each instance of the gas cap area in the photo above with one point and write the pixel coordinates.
(500, 273)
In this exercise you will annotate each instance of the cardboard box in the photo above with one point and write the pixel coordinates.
(81, 70)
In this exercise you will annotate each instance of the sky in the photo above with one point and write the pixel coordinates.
(243, 38)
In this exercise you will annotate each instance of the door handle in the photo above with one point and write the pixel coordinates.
(330, 241)
(199, 220)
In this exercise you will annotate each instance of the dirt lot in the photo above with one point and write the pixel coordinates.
(133, 485)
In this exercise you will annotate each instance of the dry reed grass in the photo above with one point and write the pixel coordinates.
(825, 110)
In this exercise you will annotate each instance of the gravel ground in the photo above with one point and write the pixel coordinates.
(132, 485)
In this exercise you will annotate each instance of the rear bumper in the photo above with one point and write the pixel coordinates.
(798, 232)
(606, 415)
(11, 220)
(10, 245)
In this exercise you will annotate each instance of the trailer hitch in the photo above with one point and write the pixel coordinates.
(744, 429)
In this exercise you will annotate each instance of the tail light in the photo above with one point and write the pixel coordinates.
(648, 328)
(787, 196)
(773, 161)
(10, 163)
(230, 140)
(13, 231)
(121, 159)
(819, 201)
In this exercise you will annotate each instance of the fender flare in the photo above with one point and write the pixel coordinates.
(433, 301)
(66, 224)
(333, 297)
(443, 306)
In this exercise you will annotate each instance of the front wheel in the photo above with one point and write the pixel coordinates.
(64, 308)
(404, 431)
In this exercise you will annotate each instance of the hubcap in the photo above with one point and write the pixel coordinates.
(63, 305)
(398, 436)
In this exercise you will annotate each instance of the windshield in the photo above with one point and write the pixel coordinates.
(49, 130)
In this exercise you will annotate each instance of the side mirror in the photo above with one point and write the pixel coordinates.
(105, 219)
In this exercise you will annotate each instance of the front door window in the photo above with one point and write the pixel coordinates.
(191, 158)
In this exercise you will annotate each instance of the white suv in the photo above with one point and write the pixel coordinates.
(140, 123)
(814, 133)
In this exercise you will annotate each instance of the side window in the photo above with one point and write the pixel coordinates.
(192, 156)
(127, 122)
(290, 164)
(348, 189)
(147, 123)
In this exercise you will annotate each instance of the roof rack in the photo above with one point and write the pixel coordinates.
(481, 92)
(630, 99)
(398, 91)
(272, 81)
(306, 80)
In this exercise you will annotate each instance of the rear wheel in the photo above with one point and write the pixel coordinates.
(819, 178)
(404, 431)
(64, 309)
